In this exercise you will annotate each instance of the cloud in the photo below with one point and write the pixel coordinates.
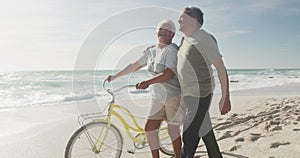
(233, 33)
(40, 30)
(262, 5)
(285, 7)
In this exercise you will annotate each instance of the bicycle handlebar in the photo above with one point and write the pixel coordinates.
(112, 92)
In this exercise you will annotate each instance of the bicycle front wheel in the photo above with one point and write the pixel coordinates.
(95, 139)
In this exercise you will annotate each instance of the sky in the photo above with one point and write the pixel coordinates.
(51, 34)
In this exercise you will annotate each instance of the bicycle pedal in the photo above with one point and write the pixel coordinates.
(130, 151)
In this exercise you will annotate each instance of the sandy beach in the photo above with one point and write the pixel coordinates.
(259, 125)
(57, 56)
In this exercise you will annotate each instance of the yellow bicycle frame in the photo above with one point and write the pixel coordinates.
(112, 107)
(112, 112)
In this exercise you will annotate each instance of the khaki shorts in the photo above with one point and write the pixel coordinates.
(170, 110)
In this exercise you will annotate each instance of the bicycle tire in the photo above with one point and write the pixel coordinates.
(80, 139)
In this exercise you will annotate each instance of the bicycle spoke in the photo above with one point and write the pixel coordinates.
(109, 143)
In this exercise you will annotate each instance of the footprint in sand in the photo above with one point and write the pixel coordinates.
(277, 119)
(296, 129)
(274, 123)
(234, 115)
(270, 125)
(298, 119)
(277, 128)
(236, 133)
(239, 140)
(234, 147)
(227, 134)
(267, 127)
(255, 136)
(277, 144)
(287, 107)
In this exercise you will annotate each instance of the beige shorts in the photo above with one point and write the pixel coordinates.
(170, 110)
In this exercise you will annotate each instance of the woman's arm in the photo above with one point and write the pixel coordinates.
(162, 77)
(133, 67)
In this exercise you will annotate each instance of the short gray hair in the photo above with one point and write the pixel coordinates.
(195, 12)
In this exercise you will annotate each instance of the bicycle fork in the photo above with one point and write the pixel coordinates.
(100, 138)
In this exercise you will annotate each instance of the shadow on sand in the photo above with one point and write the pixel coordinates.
(200, 154)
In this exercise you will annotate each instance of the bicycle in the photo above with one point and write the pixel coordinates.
(101, 138)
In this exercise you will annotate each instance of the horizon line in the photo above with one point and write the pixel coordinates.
(36, 70)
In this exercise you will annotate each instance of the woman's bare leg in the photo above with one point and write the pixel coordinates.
(151, 129)
(174, 133)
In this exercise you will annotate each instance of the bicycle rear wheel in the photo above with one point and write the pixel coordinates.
(165, 141)
(86, 142)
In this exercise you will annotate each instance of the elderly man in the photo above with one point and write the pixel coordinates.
(197, 53)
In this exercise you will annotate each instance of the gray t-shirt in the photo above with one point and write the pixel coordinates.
(195, 58)
(157, 61)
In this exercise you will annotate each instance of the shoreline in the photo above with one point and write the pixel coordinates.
(45, 130)
(290, 89)
(284, 90)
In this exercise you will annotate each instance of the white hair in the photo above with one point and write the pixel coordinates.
(167, 24)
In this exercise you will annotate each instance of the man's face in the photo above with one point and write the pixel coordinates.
(164, 35)
(185, 21)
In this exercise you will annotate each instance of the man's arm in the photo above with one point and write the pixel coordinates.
(127, 70)
(162, 77)
(224, 104)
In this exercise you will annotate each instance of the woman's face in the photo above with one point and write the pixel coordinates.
(164, 35)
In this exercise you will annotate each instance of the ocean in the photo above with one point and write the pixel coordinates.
(44, 88)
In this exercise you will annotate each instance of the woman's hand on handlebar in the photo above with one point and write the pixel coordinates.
(142, 85)
(110, 78)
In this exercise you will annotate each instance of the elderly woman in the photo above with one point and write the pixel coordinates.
(161, 61)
